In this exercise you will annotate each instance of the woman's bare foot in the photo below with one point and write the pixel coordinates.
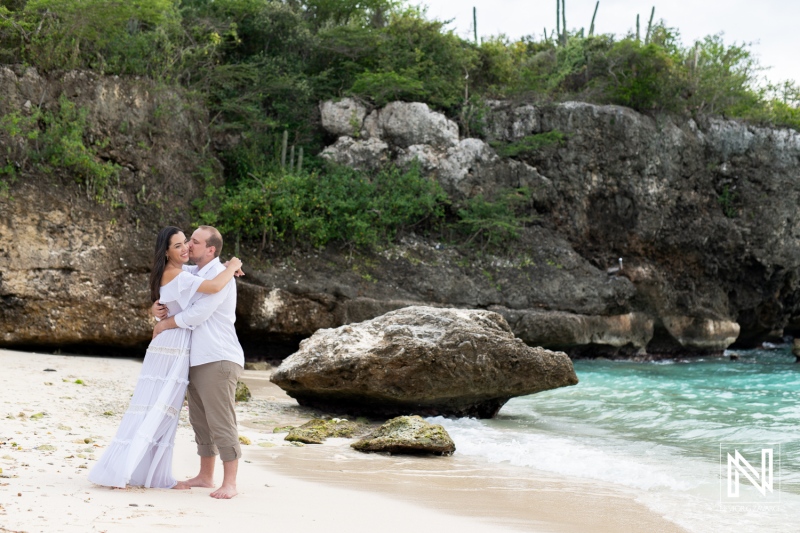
(182, 485)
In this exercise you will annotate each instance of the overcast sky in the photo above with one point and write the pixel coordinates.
(772, 26)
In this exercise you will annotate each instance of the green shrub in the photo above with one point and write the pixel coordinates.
(340, 205)
(641, 76)
(264, 65)
(54, 142)
(385, 87)
(495, 223)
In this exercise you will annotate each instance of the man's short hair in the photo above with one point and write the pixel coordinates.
(214, 239)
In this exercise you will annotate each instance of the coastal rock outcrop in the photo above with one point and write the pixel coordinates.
(420, 360)
(407, 434)
(74, 271)
(702, 211)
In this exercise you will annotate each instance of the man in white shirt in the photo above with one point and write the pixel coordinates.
(216, 361)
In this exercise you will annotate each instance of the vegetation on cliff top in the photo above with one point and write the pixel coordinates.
(262, 66)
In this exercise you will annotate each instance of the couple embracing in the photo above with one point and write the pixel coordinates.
(194, 348)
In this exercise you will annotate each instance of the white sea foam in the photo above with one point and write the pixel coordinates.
(683, 490)
(559, 454)
(658, 429)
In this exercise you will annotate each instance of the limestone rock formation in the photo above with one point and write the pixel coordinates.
(407, 123)
(472, 167)
(407, 434)
(420, 360)
(507, 122)
(594, 335)
(73, 271)
(702, 211)
(343, 117)
(370, 154)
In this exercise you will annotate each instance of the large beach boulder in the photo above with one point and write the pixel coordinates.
(420, 360)
(407, 434)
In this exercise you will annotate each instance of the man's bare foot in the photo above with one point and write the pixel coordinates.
(225, 492)
(182, 485)
(198, 481)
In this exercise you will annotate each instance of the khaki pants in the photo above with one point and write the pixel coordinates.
(211, 392)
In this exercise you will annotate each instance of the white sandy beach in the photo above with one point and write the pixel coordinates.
(55, 424)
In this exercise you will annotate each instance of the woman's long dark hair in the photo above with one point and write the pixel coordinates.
(160, 260)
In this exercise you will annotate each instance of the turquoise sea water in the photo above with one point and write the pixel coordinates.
(662, 430)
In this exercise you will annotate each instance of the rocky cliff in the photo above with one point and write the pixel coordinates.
(701, 212)
(72, 270)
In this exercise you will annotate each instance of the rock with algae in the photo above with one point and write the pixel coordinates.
(242, 392)
(407, 434)
(317, 430)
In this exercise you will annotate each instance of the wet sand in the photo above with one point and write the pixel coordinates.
(46, 419)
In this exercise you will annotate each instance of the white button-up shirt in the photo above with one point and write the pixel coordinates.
(211, 318)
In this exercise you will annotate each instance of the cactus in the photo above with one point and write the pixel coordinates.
(558, 20)
(649, 26)
(564, 20)
(300, 160)
(284, 144)
(591, 26)
(637, 27)
(475, 23)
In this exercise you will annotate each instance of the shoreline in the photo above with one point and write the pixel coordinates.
(45, 461)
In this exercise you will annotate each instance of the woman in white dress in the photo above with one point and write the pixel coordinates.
(141, 452)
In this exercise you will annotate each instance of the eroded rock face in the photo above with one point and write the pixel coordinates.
(73, 271)
(628, 334)
(507, 122)
(703, 213)
(472, 168)
(408, 434)
(420, 360)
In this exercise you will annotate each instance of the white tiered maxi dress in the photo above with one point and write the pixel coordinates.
(141, 452)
